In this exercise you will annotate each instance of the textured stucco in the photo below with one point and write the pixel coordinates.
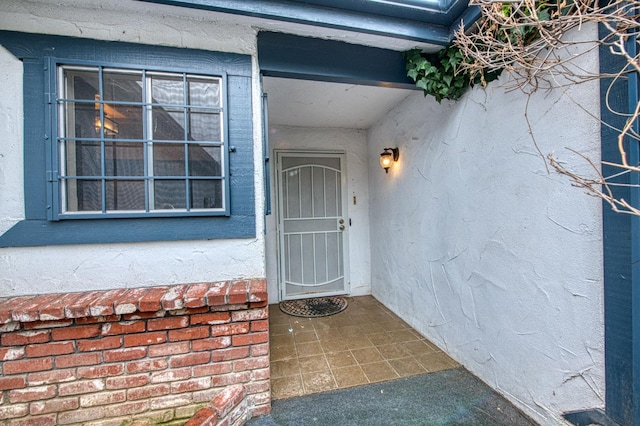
(11, 179)
(130, 21)
(353, 143)
(492, 257)
(87, 267)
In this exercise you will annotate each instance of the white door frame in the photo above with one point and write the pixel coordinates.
(279, 154)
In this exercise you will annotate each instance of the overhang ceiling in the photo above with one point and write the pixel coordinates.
(306, 103)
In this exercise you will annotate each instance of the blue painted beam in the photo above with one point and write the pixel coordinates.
(468, 17)
(433, 31)
(289, 56)
(634, 158)
(620, 252)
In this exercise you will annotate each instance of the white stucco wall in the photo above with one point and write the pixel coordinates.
(103, 266)
(354, 143)
(487, 254)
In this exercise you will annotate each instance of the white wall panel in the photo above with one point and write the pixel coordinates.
(485, 252)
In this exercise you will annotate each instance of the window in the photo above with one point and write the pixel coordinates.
(139, 142)
(128, 143)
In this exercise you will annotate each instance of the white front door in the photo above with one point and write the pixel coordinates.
(312, 224)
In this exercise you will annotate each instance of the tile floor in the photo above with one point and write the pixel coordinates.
(364, 344)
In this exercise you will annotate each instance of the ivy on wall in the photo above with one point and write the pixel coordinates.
(441, 74)
(504, 27)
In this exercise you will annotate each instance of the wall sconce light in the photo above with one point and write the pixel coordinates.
(388, 157)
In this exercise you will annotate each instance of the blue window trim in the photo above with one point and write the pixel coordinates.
(36, 230)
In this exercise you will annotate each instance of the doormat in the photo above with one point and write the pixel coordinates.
(316, 307)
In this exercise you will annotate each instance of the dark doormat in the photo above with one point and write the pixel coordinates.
(316, 307)
(446, 398)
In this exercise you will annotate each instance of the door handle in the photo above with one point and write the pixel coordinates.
(342, 227)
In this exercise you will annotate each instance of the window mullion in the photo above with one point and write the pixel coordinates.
(186, 133)
(103, 171)
(147, 123)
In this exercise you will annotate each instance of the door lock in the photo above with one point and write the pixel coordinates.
(341, 221)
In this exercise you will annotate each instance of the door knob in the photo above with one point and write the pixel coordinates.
(342, 227)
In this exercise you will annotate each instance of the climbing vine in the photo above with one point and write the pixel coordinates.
(535, 41)
(530, 40)
(441, 75)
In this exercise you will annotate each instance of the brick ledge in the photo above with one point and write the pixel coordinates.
(49, 307)
(228, 407)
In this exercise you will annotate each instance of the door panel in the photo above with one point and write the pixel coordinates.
(312, 227)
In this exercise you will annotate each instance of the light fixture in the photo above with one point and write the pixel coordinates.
(111, 128)
(388, 157)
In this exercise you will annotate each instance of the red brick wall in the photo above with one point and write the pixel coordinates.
(107, 357)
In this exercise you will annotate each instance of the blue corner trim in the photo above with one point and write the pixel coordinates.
(621, 248)
(290, 56)
(427, 25)
(634, 158)
(34, 51)
(590, 417)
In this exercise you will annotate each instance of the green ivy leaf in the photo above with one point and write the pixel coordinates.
(436, 74)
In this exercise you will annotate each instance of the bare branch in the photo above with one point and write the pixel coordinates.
(529, 40)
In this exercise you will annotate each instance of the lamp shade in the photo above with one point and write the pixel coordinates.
(388, 157)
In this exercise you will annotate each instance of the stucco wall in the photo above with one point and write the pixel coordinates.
(353, 143)
(75, 268)
(493, 258)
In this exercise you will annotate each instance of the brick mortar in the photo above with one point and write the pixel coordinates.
(60, 361)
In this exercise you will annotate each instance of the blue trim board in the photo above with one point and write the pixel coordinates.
(43, 232)
(424, 25)
(634, 158)
(290, 56)
(590, 417)
(621, 240)
(34, 51)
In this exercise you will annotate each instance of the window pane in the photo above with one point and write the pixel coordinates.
(204, 125)
(122, 87)
(203, 92)
(81, 84)
(167, 90)
(83, 195)
(82, 158)
(124, 159)
(168, 124)
(80, 120)
(170, 194)
(206, 194)
(168, 159)
(128, 135)
(125, 195)
(205, 160)
(121, 121)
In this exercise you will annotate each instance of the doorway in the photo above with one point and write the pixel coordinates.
(312, 224)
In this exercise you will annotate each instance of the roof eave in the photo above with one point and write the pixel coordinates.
(438, 30)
